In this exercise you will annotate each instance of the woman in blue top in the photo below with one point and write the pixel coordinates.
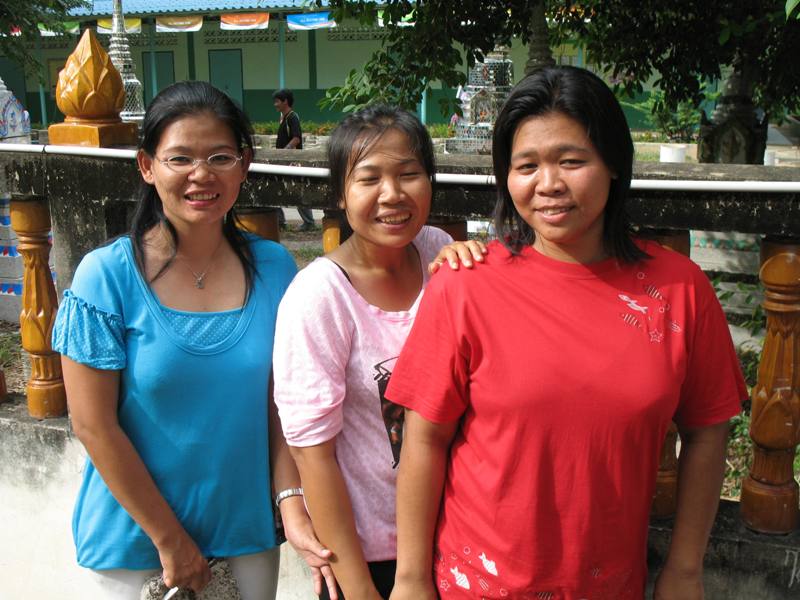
(166, 337)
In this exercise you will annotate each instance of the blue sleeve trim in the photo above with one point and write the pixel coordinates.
(89, 335)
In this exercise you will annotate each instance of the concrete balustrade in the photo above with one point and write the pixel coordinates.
(91, 199)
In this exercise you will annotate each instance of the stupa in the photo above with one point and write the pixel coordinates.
(488, 85)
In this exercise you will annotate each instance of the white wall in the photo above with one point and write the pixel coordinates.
(39, 479)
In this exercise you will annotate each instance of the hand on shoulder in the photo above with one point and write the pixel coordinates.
(459, 253)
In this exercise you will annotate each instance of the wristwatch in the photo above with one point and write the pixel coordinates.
(287, 493)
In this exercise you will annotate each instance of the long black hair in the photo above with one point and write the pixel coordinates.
(184, 99)
(582, 96)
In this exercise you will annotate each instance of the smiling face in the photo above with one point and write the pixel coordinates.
(387, 193)
(559, 185)
(202, 195)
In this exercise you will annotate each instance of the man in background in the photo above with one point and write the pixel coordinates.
(290, 136)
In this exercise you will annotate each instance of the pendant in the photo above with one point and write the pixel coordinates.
(198, 283)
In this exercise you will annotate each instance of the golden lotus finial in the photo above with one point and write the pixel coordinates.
(89, 86)
(91, 95)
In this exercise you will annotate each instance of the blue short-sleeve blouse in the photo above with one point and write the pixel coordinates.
(192, 400)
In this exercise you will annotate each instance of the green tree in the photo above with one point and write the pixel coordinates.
(683, 43)
(25, 16)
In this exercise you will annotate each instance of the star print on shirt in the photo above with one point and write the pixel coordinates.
(656, 336)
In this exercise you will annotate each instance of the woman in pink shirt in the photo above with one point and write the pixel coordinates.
(340, 329)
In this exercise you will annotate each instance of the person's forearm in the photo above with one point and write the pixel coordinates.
(92, 396)
(332, 515)
(284, 470)
(293, 143)
(129, 481)
(420, 481)
(700, 474)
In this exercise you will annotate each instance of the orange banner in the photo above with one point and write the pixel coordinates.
(178, 24)
(244, 21)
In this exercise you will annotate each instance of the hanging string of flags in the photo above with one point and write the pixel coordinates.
(186, 23)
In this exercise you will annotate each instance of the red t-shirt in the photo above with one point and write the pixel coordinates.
(565, 378)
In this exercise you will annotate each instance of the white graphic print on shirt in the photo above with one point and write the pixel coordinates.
(640, 312)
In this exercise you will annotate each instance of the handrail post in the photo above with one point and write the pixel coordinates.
(30, 219)
(332, 229)
(261, 221)
(769, 502)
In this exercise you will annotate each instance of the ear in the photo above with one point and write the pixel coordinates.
(145, 163)
(247, 159)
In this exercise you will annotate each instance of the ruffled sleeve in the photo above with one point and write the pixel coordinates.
(88, 334)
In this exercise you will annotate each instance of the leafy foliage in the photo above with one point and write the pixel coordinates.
(25, 16)
(677, 125)
(684, 42)
(440, 130)
(437, 130)
(309, 127)
(10, 347)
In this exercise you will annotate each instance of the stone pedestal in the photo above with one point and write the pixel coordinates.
(96, 135)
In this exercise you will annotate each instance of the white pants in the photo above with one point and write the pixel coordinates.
(256, 574)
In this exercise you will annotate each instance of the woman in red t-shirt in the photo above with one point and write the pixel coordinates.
(541, 382)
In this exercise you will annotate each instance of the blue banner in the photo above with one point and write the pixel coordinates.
(305, 21)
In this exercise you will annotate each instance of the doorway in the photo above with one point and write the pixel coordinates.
(165, 73)
(225, 73)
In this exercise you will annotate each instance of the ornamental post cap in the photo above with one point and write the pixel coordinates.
(89, 86)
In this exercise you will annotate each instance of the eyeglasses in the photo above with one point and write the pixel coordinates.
(186, 164)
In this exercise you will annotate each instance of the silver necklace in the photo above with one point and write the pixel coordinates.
(199, 278)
